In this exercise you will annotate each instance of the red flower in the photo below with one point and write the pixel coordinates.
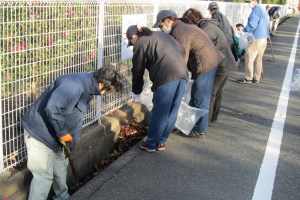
(65, 32)
(70, 12)
(50, 43)
(18, 47)
(22, 46)
(7, 76)
(32, 17)
(94, 54)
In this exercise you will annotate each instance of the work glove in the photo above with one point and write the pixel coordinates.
(65, 140)
(136, 97)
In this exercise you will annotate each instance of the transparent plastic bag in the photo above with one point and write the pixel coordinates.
(295, 84)
(244, 39)
(187, 115)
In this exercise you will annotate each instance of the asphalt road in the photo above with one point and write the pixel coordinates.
(252, 152)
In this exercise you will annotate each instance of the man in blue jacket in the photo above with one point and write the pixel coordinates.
(258, 26)
(56, 119)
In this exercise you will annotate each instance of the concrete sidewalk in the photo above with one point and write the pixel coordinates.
(225, 164)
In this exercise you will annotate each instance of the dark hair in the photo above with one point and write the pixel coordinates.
(186, 20)
(238, 25)
(110, 78)
(172, 18)
(145, 32)
(193, 15)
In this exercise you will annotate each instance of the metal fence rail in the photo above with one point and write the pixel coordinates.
(43, 39)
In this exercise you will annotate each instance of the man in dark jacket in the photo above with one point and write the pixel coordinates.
(201, 57)
(155, 51)
(54, 121)
(215, 34)
(224, 26)
(274, 18)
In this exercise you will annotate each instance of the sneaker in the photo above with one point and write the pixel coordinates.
(145, 146)
(255, 81)
(161, 147)
(244, 81)
(194, 133)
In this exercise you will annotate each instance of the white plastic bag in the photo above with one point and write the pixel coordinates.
(245, 38)
(187, 115)
(295, 84)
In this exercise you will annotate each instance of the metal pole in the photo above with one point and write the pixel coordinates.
(271, 48)
(100, 30)
(1, 139)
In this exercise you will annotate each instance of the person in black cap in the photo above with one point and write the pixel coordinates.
(155, 51)
(224, 26)
(202, 59)
(274, 18)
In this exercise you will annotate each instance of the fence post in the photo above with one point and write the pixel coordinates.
(1, 139)
(100, 29)
(155, 11)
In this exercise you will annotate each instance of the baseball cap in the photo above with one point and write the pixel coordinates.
(131, 30)
(162, 15)
(212, 5)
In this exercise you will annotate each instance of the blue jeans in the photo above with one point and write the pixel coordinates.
(47, 168)
(166, 101)
(200, 97)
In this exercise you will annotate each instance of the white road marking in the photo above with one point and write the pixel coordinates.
(265, 182)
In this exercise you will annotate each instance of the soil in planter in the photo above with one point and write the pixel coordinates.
(130, 134)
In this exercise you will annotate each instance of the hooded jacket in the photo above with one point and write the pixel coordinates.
(201, 54)
(60, 109)
(162, 56)
(215, 34)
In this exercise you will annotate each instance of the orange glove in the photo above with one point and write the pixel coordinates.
(66, 138)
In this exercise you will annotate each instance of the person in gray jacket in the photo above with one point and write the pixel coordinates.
(202, 59)
(224, 25)
(215, 34)
(55, 120)
(163, 57)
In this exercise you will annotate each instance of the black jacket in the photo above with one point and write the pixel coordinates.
(215, 34)
(227, 30)
(273, 12)
(224, 25)
(162, 56)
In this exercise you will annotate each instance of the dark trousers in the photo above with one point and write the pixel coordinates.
(166, 101)
(200, 97)
(216, 96)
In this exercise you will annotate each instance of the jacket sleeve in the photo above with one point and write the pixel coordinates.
(138, 69)
(184, 41)
(253, 21)
(64, 97)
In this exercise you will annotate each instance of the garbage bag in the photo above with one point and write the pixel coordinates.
(295, 84)
(187, 115)
(244, 39)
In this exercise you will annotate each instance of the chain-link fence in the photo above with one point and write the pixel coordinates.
(44, 39)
